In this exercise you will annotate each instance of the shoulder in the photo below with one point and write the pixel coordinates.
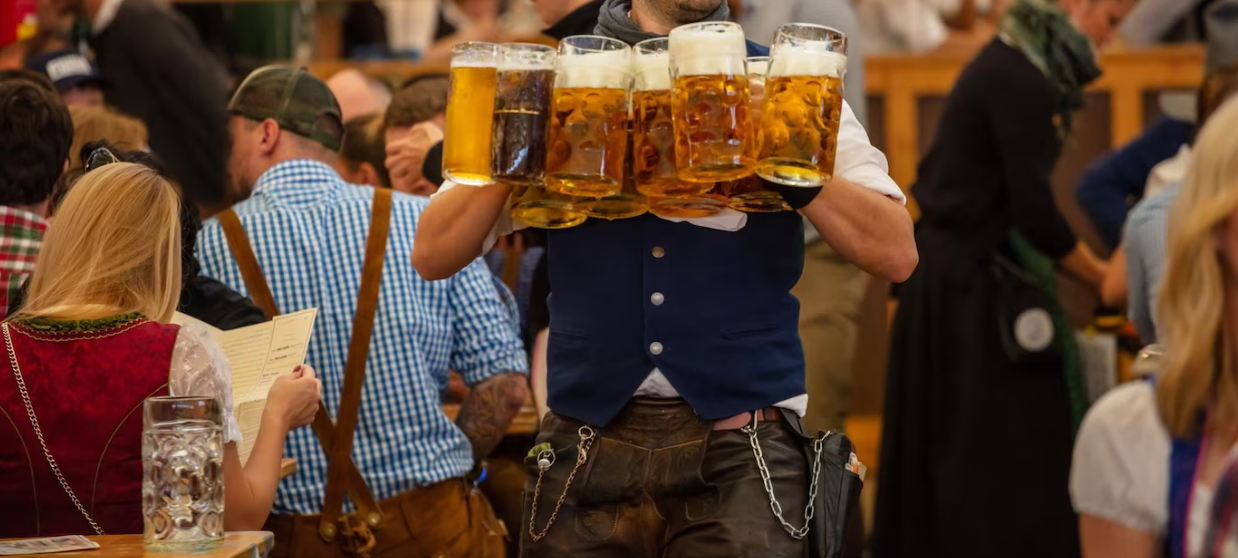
(1121, 462)
(1004, 68)
(1152, 210)
(757, 49)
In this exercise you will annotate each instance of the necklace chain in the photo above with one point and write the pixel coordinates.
(34, 422)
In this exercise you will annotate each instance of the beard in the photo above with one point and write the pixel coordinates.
(683, 11)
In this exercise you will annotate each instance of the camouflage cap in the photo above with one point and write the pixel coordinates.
(299, 102)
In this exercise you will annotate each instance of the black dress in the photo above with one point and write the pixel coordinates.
(976, 452)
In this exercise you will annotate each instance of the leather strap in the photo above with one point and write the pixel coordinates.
(324, 428)
(251, 272)
(744, 419)
(358, 351)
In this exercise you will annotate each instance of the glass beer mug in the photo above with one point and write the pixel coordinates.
(470, 114)
(710, 103)
(589, 117)
(803, 105)
(182, 473)
(626, 204)
(653, 150)
(750, 194)
(523, 84)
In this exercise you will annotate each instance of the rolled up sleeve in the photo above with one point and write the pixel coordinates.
(485, 334)
(859, 162)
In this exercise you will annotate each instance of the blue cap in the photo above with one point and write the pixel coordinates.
(67, 69)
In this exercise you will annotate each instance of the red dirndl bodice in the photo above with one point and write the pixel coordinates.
(87, 387)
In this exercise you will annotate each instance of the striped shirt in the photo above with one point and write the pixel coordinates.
(21, 236)
(1147, 239)
(308, 229)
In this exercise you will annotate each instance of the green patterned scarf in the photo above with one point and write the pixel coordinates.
(1042, 270)
(1045, 34)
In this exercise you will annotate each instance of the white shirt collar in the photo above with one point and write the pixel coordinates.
(107, 12)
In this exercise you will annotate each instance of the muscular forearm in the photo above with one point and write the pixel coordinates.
(488, 410)
(251, 488)
(452, 230)
(868, 229)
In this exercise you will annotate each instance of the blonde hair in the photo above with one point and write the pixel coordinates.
(114, 248)
(1199, 366)
(101, 123)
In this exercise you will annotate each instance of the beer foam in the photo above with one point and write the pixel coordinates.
(652, 71)
(472, 63)
(711, 50)
(597, 70)
(518, 59)
(798, 62)
(758, 67)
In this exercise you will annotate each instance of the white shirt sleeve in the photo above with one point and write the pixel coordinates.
(1120, 471)
(199, 367)
(858, 161)
(502, 227)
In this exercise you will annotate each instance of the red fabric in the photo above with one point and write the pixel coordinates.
(83, 392)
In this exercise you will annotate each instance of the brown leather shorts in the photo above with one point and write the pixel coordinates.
(449, 520)
(660, 482)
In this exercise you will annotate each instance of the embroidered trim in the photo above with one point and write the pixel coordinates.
(78, 330)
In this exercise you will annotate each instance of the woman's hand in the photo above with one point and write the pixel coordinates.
(294, 398)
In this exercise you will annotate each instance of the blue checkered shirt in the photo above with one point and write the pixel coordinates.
(308, 229)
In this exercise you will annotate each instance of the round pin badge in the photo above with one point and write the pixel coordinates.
(1033, 329)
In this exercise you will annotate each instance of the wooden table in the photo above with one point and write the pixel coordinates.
(249, 544)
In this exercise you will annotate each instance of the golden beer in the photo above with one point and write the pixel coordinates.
(588, 140)
(532, 205)
(710, 104)
(589, 117)
(751, 194)
(470, 110)
(689, 207)
(803, 106)
(653, 149)
(626, 204)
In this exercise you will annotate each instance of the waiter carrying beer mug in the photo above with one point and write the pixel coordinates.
(676, 373)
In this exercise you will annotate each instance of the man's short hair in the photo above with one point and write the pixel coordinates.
(29, 75)
(36, 132)
(421, 99)
(364, 143)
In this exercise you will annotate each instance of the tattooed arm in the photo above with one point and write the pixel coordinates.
(489, 408)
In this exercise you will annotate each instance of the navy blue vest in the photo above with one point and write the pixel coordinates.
(712, 310)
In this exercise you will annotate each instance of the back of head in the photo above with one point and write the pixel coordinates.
(364, 144)
(29, 75)
(299, 102)
(115, 248)
(358, 94)
(36, 133)
(1189, 304)
(91, 124)
(421, 99)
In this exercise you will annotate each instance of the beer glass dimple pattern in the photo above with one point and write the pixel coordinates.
(750, 194)
(710, 104)
(182, 473)
(803, 105)
(626, 204)
(653, 127)
(523, 85)
(589, 117)
(539, 208)
(470, 112)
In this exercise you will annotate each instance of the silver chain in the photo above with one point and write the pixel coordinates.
(25, 396)
(810, 509)
(544, 460)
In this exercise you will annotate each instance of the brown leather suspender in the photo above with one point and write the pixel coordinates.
(336, 439)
